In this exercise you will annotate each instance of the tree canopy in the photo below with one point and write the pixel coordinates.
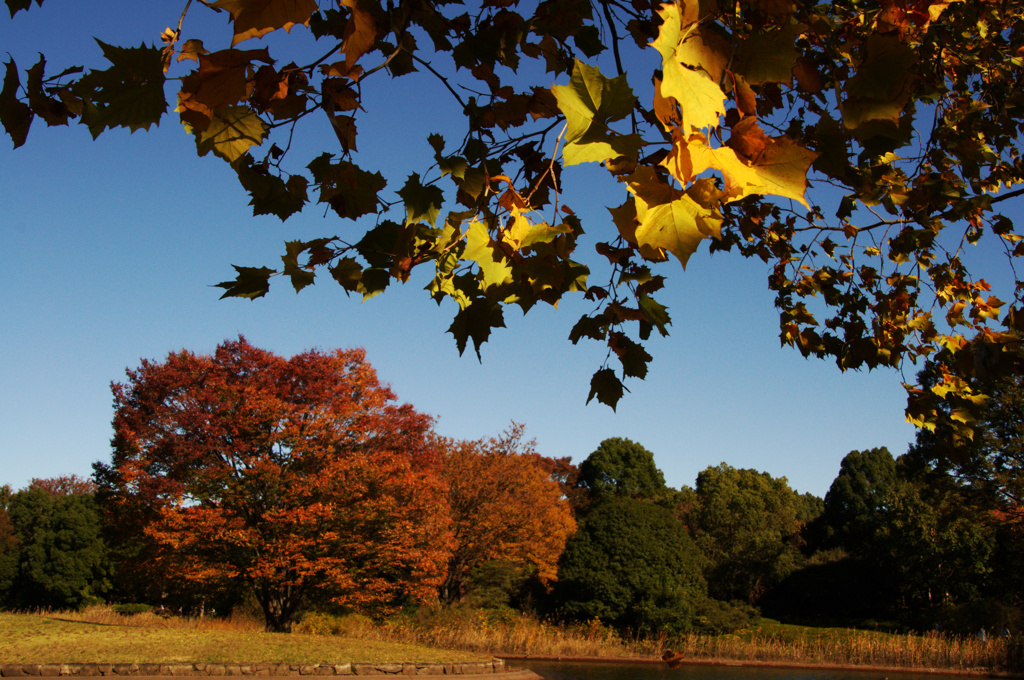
(505, 506)
(621, 467)
(858, 148)
(747, 524)
(631, 564)
(285, 476)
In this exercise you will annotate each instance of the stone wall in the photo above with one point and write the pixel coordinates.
(260, 669)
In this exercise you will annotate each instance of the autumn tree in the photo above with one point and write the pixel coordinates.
(8, 546)
(64, 485)
(506, 505)
(290, 476)
(857, 148)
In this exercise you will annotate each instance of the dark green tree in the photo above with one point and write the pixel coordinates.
(748, 526)
(62, 559)
(632, 565)
(853, 503)
(621, 467)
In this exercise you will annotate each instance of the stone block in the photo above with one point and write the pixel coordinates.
(306, 669)
(365, 669)
(149, 669)
(180, 669)
(215, 669)
(232, 670)
(12, 671)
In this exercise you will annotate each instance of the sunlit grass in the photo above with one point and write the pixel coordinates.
(455, 634)
(99, 635)
(768, 642)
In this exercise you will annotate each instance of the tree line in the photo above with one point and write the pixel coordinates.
(300, 484)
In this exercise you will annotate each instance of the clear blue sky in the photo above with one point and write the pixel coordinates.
(108, 250)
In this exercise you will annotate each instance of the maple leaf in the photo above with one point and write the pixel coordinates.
(129, 94)
(271, 195)
(778, 167)
(880, 89)
(360, 33)
(589, 102)
(476, 321)
(768, 56)
(347, 188)
(489, 257)
(15, 5)
(421, 202)
(668, 220)
(232, 131)
(700, 98)
(256, 18)
(607, 387)
(15, 116)
(221, 80)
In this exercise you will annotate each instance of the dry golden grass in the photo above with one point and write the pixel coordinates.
(516, 634)
(100, 635)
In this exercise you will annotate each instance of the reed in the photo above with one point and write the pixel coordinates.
(512, 633)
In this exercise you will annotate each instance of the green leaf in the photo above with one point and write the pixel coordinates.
(15, 116)
(594, 327)
(495, 269)
(347, 188)
(591, 100)
(607, 387)
(347, 272)
(422, 203)
(271, 195)
(373, 282)
(656, 313)
(251, 282)
(476, 321)
(882, 85)
(51, 110)
(128, 94)
(597, 147)
(233, 130)
(14, 5)
(300, 276)
(768, 56)
(633, 356)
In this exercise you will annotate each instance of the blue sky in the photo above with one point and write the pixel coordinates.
(109, 249)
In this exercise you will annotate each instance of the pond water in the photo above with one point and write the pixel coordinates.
(576, 670)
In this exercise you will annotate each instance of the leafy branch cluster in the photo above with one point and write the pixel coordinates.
(902, 116)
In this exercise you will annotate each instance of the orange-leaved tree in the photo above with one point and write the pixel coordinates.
(507, 504)
(290, 476)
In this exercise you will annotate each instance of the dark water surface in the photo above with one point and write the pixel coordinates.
(577, 670)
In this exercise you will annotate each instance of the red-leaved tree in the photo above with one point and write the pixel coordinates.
(290, 476)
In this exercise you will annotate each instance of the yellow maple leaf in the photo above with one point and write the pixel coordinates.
(700, 98)
(670, 220)
(780, 168)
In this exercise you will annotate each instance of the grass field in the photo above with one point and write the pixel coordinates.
(437, 634)
(54, 638)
